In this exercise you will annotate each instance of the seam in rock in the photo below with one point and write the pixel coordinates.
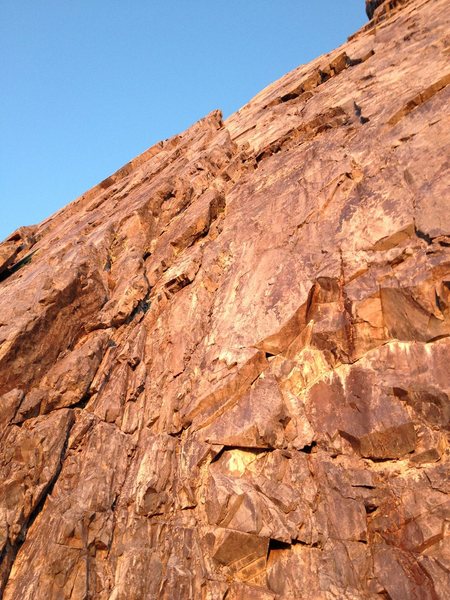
(40, 504)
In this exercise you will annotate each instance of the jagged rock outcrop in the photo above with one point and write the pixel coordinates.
(225, 369)
(371, 6)
(386, 7)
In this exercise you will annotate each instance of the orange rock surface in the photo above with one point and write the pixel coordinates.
(224, 371)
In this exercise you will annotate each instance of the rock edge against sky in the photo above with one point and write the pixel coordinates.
(224, 371)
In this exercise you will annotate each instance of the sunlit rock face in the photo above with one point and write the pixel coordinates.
(225, 369)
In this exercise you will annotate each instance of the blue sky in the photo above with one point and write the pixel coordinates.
(89, 84)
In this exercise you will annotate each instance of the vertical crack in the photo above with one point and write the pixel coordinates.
(10, 552)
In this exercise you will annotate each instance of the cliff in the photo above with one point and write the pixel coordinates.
(224, 371)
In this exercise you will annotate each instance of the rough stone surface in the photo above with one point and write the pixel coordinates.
(224, 371)
(378, 9)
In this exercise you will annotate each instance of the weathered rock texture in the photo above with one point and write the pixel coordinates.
(225, 369)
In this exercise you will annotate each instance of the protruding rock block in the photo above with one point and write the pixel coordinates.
(242, 554)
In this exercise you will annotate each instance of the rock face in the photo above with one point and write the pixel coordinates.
(387, 7)
(371, 6)
(225, 369)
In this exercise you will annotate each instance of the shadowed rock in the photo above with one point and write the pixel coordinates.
(371, 6)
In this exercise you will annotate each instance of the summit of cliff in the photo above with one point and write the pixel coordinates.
(224, 370)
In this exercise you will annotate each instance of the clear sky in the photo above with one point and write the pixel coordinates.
(86, 85)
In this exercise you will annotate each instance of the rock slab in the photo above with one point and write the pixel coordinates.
(224, 371)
